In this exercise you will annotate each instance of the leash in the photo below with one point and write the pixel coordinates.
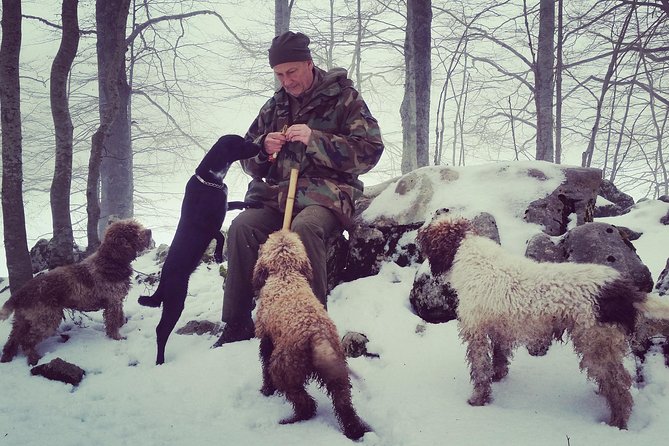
(207, 183)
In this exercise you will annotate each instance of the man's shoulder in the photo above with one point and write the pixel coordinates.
(336, 73)
(335, 81)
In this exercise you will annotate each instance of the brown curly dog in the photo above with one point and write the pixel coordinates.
(100, 282)
(298, 340)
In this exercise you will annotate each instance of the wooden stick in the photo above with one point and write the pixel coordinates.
(290, 199)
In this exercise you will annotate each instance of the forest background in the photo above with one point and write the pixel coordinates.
(108, 105)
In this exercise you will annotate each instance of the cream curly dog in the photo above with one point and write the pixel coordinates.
(507, 300)
(298, 340)
(99, 282)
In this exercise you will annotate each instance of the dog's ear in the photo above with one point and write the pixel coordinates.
(440, 241)
(260, 274)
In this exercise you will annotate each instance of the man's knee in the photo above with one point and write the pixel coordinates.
(252, 222)
(308, 228)
(237, 226)
(315, 221)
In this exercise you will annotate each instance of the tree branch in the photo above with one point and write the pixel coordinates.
(55, 25)
(504, 71)
(141, 27)
(169, 117)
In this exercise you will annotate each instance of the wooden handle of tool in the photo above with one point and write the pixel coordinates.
(290, 200)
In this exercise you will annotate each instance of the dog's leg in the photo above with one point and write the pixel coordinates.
(501, 353)
(266, 348)
(39, 324)
(480, 366)
(602, 349)
(11, 348)
(114, 319)
(303, 405)
(172, 309)
(153, 300)
(218, 250)
(332, 371)
(289, 372)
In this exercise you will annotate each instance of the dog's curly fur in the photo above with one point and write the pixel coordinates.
(507, 300)
(99, 282)
(298, 340)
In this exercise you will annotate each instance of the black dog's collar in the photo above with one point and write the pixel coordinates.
(207, 183)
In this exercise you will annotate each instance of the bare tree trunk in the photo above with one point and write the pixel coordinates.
(462, 105)
(116, 173)
(618, 154)
(415, 107)
(543, 81)
(586, 157)
(443, 97)
(111, 17)
(407, 109)
(63, 239)
(659, 166)
(358, 48)
(423, 67)
(558, 85)
(14, 220)
(331, 41)
(282, 10)
(513, 129)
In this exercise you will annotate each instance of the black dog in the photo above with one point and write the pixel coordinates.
(203, 210)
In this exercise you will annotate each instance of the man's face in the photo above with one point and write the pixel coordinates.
(295, 77)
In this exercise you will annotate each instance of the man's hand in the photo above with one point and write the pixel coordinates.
(299, 132)
(274, 142)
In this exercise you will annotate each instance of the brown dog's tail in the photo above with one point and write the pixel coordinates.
(654, 307)
(328, 359)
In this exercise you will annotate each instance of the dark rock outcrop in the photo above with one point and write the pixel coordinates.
(604, 244)
(619, 202)
(576, 195)
(433, 299)
(200, 328)
(59, 370)
(600, 243)
(355, 345)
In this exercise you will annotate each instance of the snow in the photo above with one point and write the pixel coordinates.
(414, 394)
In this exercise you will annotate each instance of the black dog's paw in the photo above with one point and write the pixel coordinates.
(218, 250)
(149, 301)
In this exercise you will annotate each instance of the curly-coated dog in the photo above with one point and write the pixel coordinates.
(99, 282)
(507, 300)
(298, 340)
(203, 210)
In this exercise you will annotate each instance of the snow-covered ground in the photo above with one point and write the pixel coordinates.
(415, 394)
